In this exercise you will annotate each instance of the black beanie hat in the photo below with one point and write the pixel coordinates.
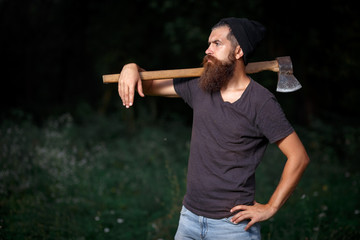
(247, 32)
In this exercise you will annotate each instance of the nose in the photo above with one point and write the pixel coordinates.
(209, 51)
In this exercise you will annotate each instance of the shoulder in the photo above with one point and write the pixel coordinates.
(186, 84)
(187, 89)
(259, 95)
(261, 90)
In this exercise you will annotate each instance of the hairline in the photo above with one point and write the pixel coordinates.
(230, 36)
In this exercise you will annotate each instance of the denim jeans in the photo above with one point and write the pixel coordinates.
(192, 226)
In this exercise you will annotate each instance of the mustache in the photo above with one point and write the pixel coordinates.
(213, 59)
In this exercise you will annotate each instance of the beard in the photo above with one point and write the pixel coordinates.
(216, 73)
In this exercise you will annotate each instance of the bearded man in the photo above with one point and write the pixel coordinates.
(234, 120)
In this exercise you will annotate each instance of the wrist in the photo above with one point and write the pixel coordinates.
(273, 208)
(130, 65)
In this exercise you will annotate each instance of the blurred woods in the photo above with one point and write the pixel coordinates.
(55, 51)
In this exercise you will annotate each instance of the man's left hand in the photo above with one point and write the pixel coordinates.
(256, 213)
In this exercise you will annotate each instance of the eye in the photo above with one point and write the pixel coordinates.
(215, 43)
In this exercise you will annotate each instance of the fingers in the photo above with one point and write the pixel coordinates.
(239, 208)
(241, 216)
(255, 213)
(125, 93)
(249, 225)
(128, 101)
(123, 90)
(246, 213)
(140, 89)
(128, 80)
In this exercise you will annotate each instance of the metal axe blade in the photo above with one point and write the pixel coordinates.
(287, 82)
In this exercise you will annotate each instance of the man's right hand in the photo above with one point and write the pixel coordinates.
(129, 80)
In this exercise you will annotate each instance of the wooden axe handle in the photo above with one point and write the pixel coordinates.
(253, 67)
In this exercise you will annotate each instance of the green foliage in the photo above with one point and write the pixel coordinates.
(65, 181)
(325, 205)
(95, 179)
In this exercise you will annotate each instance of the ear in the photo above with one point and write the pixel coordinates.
(238, 52)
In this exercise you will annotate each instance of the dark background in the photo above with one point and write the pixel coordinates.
(54, 52)
(75, 164)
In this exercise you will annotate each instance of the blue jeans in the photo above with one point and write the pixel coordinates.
(192, 226)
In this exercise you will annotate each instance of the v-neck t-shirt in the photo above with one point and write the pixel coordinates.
(227, 143)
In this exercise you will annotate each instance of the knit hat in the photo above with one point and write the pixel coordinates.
(247, 32)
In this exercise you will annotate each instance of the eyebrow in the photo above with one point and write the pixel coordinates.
(215, 41)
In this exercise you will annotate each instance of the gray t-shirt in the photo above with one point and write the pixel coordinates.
(227, 143)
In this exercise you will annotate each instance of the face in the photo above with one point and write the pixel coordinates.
(219, 46)
(219, 62)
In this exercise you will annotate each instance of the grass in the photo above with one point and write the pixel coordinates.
(98, 179)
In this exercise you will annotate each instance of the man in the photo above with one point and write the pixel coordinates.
(234, 120)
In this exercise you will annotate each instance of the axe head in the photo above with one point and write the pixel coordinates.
(286, 80)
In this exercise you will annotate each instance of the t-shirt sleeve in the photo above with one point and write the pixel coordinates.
(184, 88)
(272, 121)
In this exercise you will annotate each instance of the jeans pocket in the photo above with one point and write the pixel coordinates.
(183, 210)
(228, 220)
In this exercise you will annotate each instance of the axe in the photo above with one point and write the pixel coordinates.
(282, 65)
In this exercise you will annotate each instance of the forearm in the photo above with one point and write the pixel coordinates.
(297, 161)
(293, 170)
(161, 87)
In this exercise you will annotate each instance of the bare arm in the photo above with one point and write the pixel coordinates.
(130, 80)
(297, 161)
